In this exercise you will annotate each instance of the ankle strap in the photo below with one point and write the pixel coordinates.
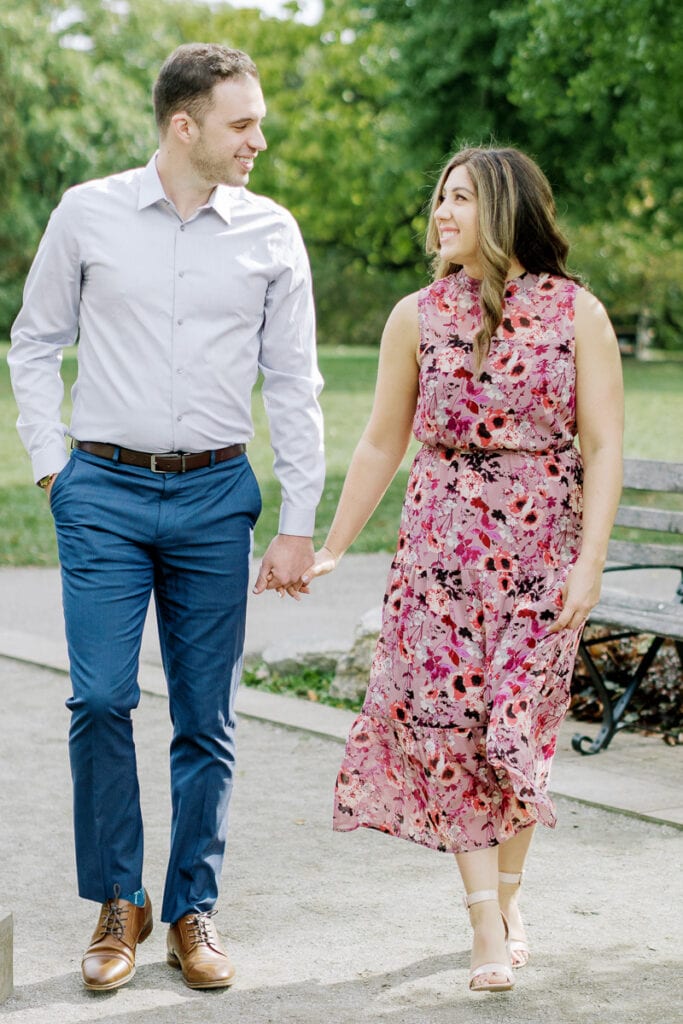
(510, 879)
(480, 897)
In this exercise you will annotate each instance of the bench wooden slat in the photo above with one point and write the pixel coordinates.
(629, 552)
(621, 596)
(619, 608)
(663, 519)
(639, 622)
(647, 475)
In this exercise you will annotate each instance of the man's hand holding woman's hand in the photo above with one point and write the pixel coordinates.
(281, 566)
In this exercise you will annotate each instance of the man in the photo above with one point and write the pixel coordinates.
(180, 289)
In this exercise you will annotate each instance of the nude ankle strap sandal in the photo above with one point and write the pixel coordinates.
(502, 971)
(507, 878)
(517, 948)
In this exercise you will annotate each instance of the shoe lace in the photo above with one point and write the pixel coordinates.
(202, 927)
(114, 915)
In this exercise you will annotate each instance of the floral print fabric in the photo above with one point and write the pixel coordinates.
(453, 746)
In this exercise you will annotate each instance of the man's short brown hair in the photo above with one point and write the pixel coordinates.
(188, 75)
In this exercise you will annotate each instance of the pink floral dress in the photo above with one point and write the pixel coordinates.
(453, 746)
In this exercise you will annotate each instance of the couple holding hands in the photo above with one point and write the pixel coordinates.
(181, 286)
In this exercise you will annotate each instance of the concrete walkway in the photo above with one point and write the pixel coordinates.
(326, 927)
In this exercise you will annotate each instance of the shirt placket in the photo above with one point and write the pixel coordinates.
(180, 326)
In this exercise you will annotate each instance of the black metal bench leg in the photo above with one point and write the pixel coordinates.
(612, 713)
(679, 648)
(608, 724)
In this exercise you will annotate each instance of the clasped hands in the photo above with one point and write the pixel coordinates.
(290, 564)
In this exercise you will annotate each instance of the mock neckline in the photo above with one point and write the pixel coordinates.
(474, 283)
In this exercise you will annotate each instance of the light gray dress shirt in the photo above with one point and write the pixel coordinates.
(174, 320)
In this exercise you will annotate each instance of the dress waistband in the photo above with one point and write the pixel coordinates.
(454, 453)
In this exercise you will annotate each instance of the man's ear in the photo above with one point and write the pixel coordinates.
(183, 126)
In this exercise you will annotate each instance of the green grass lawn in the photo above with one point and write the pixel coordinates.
(654, 413)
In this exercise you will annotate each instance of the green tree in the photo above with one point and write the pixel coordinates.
(65, 118)
(602, 81)
(363, 108)
(395, 87)
(338, 164)
(587, 87)
(449, 65)
(75, 86)
(598, 83)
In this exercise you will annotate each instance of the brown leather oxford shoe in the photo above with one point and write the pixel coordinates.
(109, 960)
(193, 945)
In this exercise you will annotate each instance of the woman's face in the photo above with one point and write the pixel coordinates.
(456, 220)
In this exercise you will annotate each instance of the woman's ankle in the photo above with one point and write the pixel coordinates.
(509, 886)
(486, 912)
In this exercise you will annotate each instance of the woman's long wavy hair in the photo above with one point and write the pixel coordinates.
(516, 219)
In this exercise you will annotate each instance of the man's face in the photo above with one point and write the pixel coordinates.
(230, 137)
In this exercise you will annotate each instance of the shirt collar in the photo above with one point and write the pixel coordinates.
(221, 202)
(152, 191)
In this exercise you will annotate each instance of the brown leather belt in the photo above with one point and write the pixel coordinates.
(165, 462)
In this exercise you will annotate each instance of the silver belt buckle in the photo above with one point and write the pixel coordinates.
(168, 455)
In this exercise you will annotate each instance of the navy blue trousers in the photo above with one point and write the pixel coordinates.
(125, 533)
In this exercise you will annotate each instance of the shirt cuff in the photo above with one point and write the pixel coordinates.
(297, 522)
(48, 461)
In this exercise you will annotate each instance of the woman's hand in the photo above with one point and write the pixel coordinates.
(325, 561)
(580, 594)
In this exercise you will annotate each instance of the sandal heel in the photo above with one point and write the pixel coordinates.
(518, 949)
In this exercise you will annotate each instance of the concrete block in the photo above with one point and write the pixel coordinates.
(6, 954)
(353, 669)
(286, 658)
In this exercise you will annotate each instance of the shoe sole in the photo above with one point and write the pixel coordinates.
(173, 961)
(501, 986)
(212, 984)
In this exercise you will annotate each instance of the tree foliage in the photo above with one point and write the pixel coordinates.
(66, 117)
(604, 81)
(363, 109)
(587, 87)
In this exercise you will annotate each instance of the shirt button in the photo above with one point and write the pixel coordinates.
(181, 273)
(179, 418)
(182, 227)
(179, 322)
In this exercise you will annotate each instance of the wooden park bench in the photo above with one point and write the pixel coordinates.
(628, 614)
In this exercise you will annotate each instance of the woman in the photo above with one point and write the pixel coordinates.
(496, 366)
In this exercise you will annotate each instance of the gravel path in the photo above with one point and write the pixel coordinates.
(327, 928)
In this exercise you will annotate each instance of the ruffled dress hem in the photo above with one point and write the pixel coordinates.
(437, 787)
